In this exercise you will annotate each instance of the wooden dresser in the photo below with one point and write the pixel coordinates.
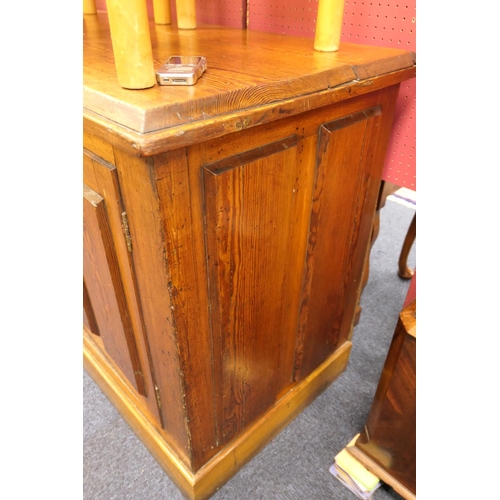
(226, 227)
(387, 445)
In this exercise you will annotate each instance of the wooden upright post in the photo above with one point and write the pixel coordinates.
(329, 25)
(89, 7)
(129, 26)
(186, 14)
(161, 9)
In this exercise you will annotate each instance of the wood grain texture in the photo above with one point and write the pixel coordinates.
(238, 77)
(240, 450)
(256, 230)
(178, 187)
(102, 177)
(275, 215)
(186, 205)
(101, 274)
(99, 147)
(140, 201)
(339, 198)
(183, 135)
(389, 436)
(250, 200)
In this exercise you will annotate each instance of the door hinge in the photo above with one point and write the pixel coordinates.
(126, 231)
(158, 400)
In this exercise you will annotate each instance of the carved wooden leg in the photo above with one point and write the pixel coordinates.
(404, 271)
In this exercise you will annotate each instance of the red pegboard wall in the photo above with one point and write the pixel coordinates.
(287, 17)
(389, 23)
(231, 13)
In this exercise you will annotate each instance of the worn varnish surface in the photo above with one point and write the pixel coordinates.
(101, 176)
(238, 77)
(104, 299)
(389, 437)
(250, 200)
(339, 195)
(141, 201)
(255, 233)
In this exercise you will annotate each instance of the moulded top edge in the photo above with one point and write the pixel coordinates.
(245, 70)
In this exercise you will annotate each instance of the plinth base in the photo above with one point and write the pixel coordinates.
(238, 452)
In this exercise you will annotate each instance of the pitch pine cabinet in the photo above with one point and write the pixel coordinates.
(226, 226)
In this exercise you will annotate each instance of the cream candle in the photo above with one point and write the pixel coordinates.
(131, 40)
(328, 25)
(186, 14)
(161, 9)
(89, 7)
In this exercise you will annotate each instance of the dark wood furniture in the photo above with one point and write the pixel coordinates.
(226, 227)
(387, 444)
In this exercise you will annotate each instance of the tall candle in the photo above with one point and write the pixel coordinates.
(161, 10)
(328, 25)
(129, 26)
(89, 7)
(186, 14)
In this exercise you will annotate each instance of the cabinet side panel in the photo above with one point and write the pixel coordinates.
(256, 226)
(342, 180)
(105, 291)
(102, 176)
(141, 203)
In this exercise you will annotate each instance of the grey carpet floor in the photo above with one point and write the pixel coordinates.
(294, 466)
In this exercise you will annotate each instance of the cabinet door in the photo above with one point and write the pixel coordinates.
(105, 306)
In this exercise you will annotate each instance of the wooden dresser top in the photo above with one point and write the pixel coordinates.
(248, 72)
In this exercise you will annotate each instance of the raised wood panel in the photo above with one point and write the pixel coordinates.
(105, 290)
(328, 297)
(256, 226)
(102, 177)
(249, 224)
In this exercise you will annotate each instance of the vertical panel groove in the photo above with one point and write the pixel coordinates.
(210, 312)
